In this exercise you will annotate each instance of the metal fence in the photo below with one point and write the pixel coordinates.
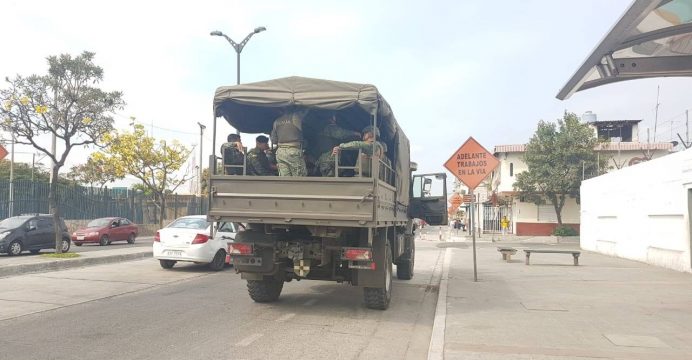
(84, 203)
(492, 219)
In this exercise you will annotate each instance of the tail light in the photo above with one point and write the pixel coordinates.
(157, 237)
(357, 254)
(200, 239)
(240, 249)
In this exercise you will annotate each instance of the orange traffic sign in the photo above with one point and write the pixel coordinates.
(455, 200)
(471, 163)
(3, 152)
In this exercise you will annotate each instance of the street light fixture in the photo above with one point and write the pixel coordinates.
(238, 47)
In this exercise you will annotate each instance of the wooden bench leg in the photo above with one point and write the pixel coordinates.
(527, 258)
(504, 256)
(576, 259)
(509, 257)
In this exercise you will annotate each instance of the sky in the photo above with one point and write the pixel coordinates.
(449, 69)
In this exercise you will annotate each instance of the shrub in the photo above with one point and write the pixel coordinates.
(564, 231)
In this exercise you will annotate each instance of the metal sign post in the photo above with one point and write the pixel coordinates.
(473, 237)
(472, 164)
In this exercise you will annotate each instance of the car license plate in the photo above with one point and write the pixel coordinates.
(80, 237)
(174, 252)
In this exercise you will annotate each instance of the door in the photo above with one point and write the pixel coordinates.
(43, 235)
(429, 198)
(118, 230)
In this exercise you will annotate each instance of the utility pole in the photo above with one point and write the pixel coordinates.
(658, 93)
(687, 126)
(473, 235)
(11, 210)
(201, 156)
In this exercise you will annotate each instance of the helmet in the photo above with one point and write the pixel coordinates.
(369, 129)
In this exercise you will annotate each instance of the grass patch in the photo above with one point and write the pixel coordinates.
(67, 255)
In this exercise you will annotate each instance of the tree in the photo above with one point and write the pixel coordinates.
(94, 173)
(66, 103)
(23, 171)
(556, 157)
(155, 163)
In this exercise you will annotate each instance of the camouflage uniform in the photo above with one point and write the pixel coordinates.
(327, 160)
(258, 163)
(232, 156)
(287, 132)
(330, 136)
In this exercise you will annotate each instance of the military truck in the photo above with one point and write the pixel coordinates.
(349, 228)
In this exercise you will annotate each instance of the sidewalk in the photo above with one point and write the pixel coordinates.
(605, 308)
(25, 263)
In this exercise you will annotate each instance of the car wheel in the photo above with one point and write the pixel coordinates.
(167, 264)
(104, 240)
(131, 239)
(219, 261)
(65, 245)
(35, 251)
(14, 249)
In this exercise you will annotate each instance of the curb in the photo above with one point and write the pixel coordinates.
(437, 340)
(55, 265)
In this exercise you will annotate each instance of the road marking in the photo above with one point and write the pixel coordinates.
(310, 302)
(248, 340)
(437, 341)
(285, 317)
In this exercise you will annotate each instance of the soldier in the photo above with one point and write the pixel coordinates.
(232, 154)
(257, 161)
(287, 132)
(365, 145)
(329, 137)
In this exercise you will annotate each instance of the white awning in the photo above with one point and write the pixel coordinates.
(652, 39)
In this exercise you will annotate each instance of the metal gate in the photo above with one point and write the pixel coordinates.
(492, 219)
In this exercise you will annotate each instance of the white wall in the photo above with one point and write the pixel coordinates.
(641, 212)
(506, 182)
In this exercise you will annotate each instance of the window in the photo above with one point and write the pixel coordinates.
(125, 222)
(227, 227)
(428, 186)
(511, 169)
(45, 223)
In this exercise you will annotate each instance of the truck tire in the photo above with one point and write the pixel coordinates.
(263, 291)
(379, 298)
(404, 268)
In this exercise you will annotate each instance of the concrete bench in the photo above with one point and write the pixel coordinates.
(575, 254)
(507, 253)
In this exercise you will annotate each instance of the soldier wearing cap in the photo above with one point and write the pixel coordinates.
(258, 161)
(287, 132)
(366, 146)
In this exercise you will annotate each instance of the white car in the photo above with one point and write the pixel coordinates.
(187, 239)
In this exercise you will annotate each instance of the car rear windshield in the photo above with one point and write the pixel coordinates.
(13, 222)
(189, 223)
(99, 222)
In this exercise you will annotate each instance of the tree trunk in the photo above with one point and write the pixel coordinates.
(557, 205)
(53, 205)
(162, 209)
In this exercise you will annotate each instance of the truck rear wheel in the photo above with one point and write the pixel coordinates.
(379, 298)
(264, 290)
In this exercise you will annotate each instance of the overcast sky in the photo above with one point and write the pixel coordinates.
(449, 69)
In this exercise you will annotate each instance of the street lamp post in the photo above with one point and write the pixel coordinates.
(238, 47)
(201, 157)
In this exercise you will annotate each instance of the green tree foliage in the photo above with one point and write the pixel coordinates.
(67, 103)
(94, 173)
(556, 156)
(156, 163)
(22, 171)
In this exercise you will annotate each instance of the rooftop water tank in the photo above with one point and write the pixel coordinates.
(588, 117)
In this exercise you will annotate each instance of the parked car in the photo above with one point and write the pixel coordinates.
(106, 230)
(187, 239)
(32, 233)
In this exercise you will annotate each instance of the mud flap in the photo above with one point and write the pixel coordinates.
(374, 278)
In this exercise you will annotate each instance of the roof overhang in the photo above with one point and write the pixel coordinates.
(653, 38)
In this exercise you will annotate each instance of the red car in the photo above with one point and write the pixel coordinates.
(106, 230)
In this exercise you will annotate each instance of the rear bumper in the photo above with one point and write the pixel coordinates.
(194, 253)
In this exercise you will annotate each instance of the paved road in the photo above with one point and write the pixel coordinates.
(137, 310)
